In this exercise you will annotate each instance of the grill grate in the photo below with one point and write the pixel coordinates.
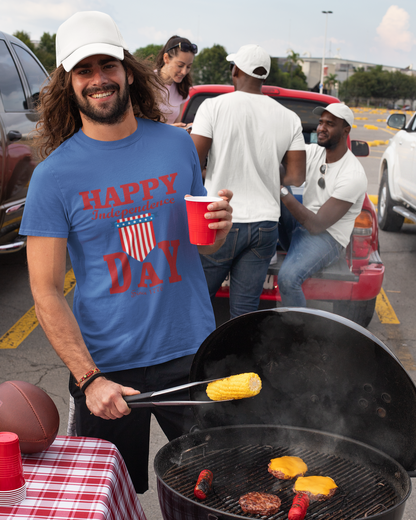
(243, 469)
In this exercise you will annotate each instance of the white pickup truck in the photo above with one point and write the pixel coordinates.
(397, 191)
(351, 284)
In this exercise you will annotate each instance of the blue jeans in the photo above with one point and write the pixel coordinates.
(246, 255)
(307, 254)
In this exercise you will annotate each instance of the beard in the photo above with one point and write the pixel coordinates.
(330, 142)
(110, 113)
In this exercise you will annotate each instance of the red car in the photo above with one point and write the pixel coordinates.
(351, 284)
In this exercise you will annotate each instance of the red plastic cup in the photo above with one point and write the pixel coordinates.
(199, 232)
(11, 468)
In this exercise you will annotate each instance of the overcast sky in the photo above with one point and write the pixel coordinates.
(378, 32)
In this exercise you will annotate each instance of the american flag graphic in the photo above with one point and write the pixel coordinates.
(137, 235)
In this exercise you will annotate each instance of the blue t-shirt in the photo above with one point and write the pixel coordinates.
(141, 297)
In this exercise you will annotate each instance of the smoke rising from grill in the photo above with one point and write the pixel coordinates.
(318, 371)
(331, 394)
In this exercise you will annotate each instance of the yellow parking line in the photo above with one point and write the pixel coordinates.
(374, 200)
(391, 132)
(383, 307)
(27, 323)
(377, 142)
(385, 311)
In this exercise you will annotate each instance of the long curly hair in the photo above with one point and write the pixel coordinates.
(184, 86)
(59, 115)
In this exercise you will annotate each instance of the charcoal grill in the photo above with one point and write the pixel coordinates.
(332, 394)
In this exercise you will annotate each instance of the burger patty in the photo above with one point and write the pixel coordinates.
(287, 467)
(317, 488)
(282, 476)
(317, 498)
(260, 503)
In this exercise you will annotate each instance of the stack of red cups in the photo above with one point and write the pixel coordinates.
(12, 482)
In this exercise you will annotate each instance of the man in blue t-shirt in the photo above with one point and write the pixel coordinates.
(111, 189)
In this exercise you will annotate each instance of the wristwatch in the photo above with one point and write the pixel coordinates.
(283, 191)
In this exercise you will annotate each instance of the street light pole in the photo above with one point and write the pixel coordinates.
(321, 86)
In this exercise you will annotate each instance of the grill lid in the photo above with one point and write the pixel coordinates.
(319, 371)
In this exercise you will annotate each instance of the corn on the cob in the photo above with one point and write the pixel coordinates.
(235, 387)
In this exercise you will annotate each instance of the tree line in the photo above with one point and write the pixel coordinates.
(377, 86)
(44, 51)
(211, 67)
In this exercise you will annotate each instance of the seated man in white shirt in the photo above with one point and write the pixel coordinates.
(334, 193)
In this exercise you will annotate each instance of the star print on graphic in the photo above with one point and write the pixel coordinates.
(137, 235)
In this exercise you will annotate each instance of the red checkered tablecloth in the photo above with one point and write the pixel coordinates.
(77, 478)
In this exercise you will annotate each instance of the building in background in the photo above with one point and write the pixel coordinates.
(336, 66)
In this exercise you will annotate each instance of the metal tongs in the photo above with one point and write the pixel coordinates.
(146, 399)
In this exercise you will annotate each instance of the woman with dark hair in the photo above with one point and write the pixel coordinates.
(173, 64)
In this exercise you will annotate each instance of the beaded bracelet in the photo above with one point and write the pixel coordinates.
(90, 380)
(88, 375)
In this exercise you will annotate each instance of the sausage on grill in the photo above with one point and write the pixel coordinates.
(203, 484)
(299, 507)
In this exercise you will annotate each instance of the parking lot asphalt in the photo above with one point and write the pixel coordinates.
(33, 360)
(371, 127)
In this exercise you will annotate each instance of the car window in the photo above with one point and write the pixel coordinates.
(34, 74)
(304, 109)
(412, 125)
(11, 89)
(194, 104)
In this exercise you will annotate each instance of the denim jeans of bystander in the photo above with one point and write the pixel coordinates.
(307, 254)
(246, 255)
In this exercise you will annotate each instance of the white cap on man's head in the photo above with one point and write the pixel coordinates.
(85, 34)
(249, 58)
(338, 110)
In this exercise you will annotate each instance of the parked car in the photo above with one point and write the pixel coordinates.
(21, 76)
(351, 284)
(397, 188)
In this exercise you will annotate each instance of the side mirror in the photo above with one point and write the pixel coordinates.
(360, 148)
(397, 121)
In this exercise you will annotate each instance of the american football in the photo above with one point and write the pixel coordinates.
(29, 412)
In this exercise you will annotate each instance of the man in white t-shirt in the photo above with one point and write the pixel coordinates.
(248, 135)
(334, 193)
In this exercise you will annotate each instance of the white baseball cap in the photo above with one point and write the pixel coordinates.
(338, 110)
(85, 34)
(249, 57)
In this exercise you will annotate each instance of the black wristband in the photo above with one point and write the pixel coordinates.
(90, 380)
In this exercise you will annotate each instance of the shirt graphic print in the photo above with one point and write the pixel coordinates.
(137, 235)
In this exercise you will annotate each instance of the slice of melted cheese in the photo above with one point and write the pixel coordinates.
(315, 485)
(289, 466)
